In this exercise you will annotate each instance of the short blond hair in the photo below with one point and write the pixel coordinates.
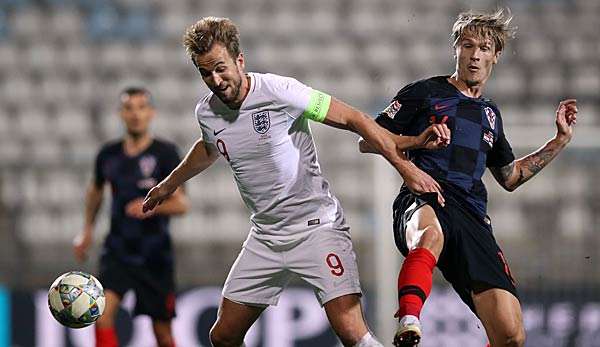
(201, 36)
(495, 26)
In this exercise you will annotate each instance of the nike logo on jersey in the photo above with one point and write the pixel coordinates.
(218, 132)
(439, 107)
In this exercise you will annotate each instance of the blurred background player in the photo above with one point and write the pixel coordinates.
(137, 253)
(458, 236)
(259, 124)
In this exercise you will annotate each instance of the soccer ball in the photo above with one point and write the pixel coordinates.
(76, 299)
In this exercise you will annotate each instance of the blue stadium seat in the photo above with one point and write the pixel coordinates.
(137, 24)
(103, 22)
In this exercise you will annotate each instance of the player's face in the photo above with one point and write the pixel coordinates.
(475, 58)
(222, 73)
(136, 112)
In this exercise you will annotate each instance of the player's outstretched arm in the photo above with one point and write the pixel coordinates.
(436, 136)
(341, 115)
(199, 158)
(175, 204)
(93, 202)
(417, 180)
(520, 171)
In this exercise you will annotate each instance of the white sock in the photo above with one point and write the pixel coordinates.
(368, 340)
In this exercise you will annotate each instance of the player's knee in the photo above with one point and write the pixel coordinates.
(434, 233)
(432, 238)
(517, 339)
(514, 336)
(347, 335)
(221, 338)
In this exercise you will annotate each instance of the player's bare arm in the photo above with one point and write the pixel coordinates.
(199, 158)
(176, 204)
(341, 115)
(436, 136)
(520, 171)
(93, 202)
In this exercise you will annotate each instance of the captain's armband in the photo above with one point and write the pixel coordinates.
(318, 106)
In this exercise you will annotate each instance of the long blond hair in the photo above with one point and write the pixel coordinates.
(495, 26)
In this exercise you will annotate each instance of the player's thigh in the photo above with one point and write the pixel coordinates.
(111, 307)
(346, 318)
(327, 262)
(500, 313)
(234, 319)
(258, 275)
(423, 229)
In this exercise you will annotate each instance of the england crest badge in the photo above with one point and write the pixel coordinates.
(261, 121)
(491, 116)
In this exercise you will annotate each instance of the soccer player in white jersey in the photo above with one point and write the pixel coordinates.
(259, 124)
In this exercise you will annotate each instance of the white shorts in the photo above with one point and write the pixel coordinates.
(325, 260)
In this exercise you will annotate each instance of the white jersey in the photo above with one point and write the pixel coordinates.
(269, 146)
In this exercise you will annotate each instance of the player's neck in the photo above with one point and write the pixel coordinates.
(472, 91)
(134, 145)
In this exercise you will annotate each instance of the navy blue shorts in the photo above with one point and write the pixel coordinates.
(154, 288)
(471, 259)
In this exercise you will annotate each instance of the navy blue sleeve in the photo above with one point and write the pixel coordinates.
(501, 153)
(99, 178)
(409, 101)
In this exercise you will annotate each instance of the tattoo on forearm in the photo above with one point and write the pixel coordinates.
(530, 165)
(538, 160)
(506, 171)
(521, 175)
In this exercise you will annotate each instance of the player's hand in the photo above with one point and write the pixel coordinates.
(81, 245)
(566, 118)
(134, 209)
(156, 196)
(436, 136)
(419, 182)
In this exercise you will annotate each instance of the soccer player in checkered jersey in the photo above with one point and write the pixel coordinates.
(137, 253)
(259, 123)
(457, 235)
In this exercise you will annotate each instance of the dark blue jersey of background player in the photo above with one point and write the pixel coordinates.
(137, 252)
(131, 166)
(133, 240)
(478, 139)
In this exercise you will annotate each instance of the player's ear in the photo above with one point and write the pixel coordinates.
(497, 56)
(240, 61)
